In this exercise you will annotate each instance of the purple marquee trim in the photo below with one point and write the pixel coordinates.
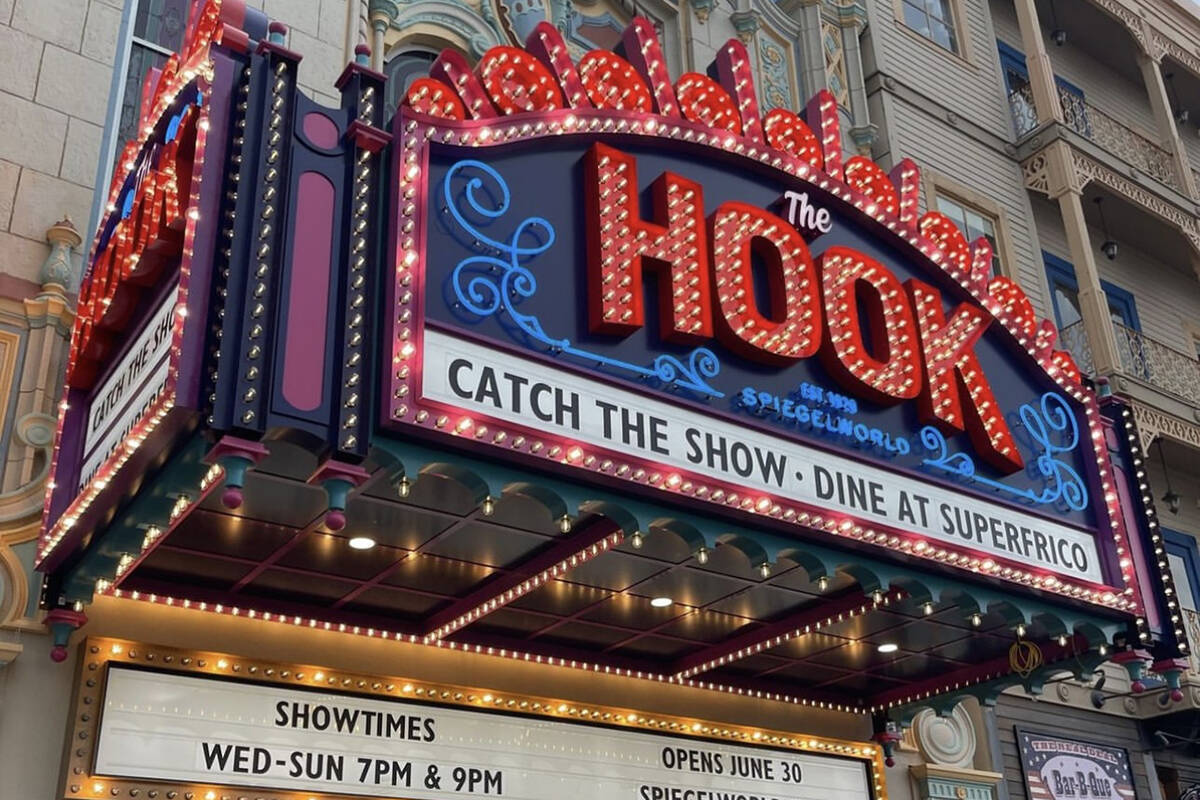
(320, 130)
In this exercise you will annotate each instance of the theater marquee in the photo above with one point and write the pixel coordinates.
(664, 289)
(187, 721)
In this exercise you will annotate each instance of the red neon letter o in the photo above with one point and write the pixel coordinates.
(845, 273)
(792, 330)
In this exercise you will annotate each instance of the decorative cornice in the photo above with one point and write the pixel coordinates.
(1036, 174)
(1132, 22)
(1152, 423)
(1089, 170)
(478, 33)
(746, 23)
(849, 13)
(702, 8)
(925, 771)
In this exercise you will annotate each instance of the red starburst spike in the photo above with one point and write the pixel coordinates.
(784, 333)
(735, 74)
(434, 99)
(981, 266)
(956, 255)
(454, 71)
(906, 177)
(546, 44)
(1016, 312)
(517, 82)
(621, 246)
(611, 82)
(849, 280)
(702, 100)
(1066, 366)
(785, 131)
(821, 114)
(1044, 339)
(867, 177)
(640, 47)
(951, 369)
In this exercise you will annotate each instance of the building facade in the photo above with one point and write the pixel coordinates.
(210, 525)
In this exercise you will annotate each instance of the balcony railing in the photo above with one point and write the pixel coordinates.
(1172, 371)
(1097, 126)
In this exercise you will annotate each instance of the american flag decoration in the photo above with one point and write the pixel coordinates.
(1065, 769)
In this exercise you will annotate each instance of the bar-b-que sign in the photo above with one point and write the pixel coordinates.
(1064, 769)
(648, 281)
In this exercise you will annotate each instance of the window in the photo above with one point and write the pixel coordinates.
(151, 30)
(975, 214)
(1184, 562)
(158, 27)
(933, 19)
(1064, 293)
(973, 223)
(402, 69)
(1020, 95)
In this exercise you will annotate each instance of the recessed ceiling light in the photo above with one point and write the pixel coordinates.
(362, 542)
(661, 602)
(888, 647)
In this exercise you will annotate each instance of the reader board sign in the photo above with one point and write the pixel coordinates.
(130, 389)
(1066, 769)
(181, 728)
(562, 402)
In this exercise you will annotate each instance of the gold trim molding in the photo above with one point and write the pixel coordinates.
(98, 653)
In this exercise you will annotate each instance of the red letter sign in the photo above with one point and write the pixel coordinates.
(791, 330)
(950, 364)
(621, 245)
(848, 277)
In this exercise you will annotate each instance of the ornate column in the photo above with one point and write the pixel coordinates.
(811, 65)
(948, 744)
(1037, 60)
(381, 13)
(354, 10)
(1065, 186)
(851, 21)
(49, 317)
(1164, 118)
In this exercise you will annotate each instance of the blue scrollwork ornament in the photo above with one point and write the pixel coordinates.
(496, 279)
(1053, 430)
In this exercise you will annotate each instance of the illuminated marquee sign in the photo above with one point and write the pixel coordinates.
(644, 280)
(205, 730)
(123, 360)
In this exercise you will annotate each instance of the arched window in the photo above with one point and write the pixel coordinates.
(402, 69)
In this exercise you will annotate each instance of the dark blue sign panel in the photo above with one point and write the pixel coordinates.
(515, 328)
